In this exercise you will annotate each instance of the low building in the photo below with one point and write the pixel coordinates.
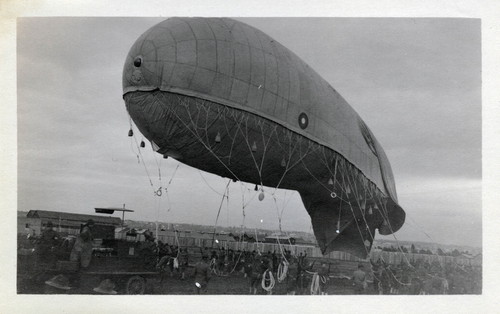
(280, 238)
(23, 223)
(194, 238)
(68, 223)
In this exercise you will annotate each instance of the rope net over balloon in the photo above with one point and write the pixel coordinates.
(244, 147)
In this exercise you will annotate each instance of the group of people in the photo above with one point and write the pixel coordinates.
(282, 267)
(50, 248)
(258, 268)
(262, 269)
(301, 277)
(50, 245)
(173, 259)
(425, 278)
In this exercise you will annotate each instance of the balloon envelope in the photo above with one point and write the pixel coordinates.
(224, 97)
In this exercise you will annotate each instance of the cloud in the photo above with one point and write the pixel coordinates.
(415, 82)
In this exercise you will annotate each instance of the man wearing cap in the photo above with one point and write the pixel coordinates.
(82, 250)
(46, 244)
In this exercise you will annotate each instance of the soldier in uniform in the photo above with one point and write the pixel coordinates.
(183, 262)
(323, 274)
(82, 250)
(292, 276)
(149, 250)
(45, 246)
(256, 274)
(359, 280)
(201, 275)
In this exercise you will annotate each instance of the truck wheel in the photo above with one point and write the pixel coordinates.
(135, 285)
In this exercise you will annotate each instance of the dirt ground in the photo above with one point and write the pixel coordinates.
(236, 284)
(233, 284)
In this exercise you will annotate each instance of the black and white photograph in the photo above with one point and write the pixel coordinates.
(308, 158)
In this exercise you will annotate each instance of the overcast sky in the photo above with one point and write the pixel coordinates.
(415, 82)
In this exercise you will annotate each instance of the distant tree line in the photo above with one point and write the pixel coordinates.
(414, 250)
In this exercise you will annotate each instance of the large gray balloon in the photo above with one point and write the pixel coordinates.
(224, 97)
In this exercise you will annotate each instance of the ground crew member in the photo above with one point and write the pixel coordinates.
(248, 269)
(183, 262)
(201, 275)
(292, 276)
(46, 244)
(359, 280)
(323, 274)
(148, 250)
(82, 250)
(256, 274)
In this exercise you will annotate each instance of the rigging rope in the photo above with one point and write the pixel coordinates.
(242, 127)
(282, 271)
(141, 159)
(220, 207)
(204, 180)
(268, 277)
(315, 290)
(197, 136)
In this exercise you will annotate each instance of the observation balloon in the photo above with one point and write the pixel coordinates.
(224, 97)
